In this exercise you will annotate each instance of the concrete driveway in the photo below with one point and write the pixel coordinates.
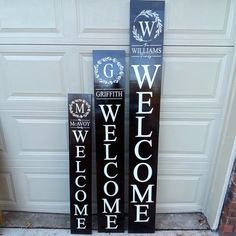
(62, 232)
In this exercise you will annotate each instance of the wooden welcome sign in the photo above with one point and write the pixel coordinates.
(109, 84)
(146, 50)
(80, 152)
(146, 47)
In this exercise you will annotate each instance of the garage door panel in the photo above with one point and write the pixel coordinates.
(189, 195)
(7, 195)
(102, 27)
(192, 77)
(34, 75)
(190, 9)
(216, 18)
(187, 74)
(86, 70)
(35, 136)
(44, 18)
(42, 134)
(103, 24)
(195, 76)
(180, 136)
(111, 27)
(187, 189)
(58, 183)
(88, 22)
(41, 77)
(54, 196)
(37, 77)
(188, 136)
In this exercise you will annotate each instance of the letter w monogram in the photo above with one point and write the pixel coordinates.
(146, 29)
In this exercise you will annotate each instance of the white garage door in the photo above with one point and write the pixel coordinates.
(46, 52)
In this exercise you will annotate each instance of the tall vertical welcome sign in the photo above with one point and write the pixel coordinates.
(109, 83)
(146, 50)
(79, 114)
(146, 44)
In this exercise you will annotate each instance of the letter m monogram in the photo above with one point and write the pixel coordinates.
(79, 109)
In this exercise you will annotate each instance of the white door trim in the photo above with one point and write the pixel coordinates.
(225, 159)
(225, 186)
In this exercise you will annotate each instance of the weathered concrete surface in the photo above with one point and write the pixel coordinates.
(35, 220)
(186, 221)
(61, 232)
(181, 221)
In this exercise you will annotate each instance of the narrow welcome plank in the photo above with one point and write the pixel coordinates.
(80, 152)
(146, 49)
(109, 76)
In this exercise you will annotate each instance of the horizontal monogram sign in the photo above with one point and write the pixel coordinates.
(146, 49)
(109, 84)
(80, 152)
